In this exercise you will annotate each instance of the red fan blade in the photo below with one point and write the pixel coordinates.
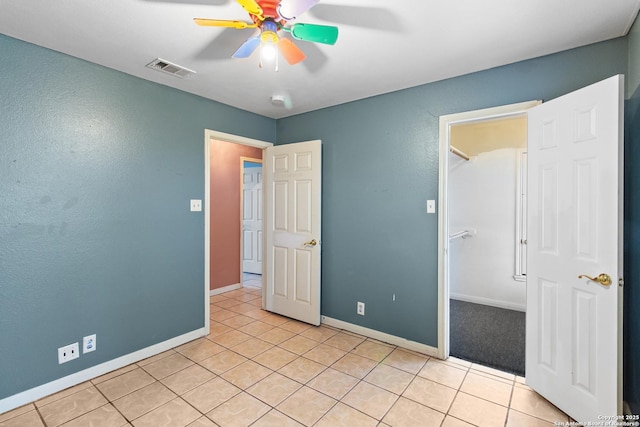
(290, 51)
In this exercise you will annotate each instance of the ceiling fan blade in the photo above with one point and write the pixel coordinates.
(291, 9)
(223, 23)
(290, 51)
(251, 6)
(314, 33)
(247, 48)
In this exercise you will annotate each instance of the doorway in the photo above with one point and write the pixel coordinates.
(215, 237)
(487, 285)
(463, 228)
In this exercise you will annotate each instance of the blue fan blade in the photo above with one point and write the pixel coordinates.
(247, 48)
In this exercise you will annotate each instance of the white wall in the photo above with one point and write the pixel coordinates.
(482, 196)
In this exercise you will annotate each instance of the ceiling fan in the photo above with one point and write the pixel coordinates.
(271, 17)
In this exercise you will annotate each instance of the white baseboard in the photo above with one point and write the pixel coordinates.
(60, 384)
(381, 336)
(489, 301)
(224, 289)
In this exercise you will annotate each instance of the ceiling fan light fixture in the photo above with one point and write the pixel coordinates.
(268, 55)
(268, 52)
(269, 44)
(270, 17)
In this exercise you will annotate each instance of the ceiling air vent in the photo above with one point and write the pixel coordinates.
(170, 68)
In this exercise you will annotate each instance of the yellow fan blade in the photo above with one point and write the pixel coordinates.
(290, 51)
(251, 6)
(223, 23)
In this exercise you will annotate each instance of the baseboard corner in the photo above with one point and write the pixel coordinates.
(224, 289)
(488, 301)
(381, 336)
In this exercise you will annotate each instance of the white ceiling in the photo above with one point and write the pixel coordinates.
(383, 45)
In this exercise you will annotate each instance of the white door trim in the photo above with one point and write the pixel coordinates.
(443, 223)
(227, 137)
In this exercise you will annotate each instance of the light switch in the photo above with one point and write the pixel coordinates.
(196, 205)
(431, 206)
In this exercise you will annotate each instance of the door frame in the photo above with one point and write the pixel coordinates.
(210, 135)
(242, 160)
(446, 121)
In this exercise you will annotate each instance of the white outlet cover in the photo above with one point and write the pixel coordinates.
(89, 343)
(196, 205)
(431, 206)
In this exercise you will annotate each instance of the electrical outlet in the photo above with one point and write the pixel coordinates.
(196, 205)
(360, 309)
(88, 343)
(68, 352)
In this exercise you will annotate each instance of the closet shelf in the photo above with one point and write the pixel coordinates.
(459, 153)
(463, 234)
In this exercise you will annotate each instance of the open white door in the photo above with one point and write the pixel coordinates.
(252, 220)
(293, 174)
(573, 355)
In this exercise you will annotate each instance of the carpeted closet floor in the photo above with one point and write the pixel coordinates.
(488, 335)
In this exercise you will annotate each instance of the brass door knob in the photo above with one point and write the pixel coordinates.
(311, 243)
(603, 279)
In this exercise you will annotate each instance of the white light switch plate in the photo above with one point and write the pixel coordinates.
(196, 205)
(431, 206)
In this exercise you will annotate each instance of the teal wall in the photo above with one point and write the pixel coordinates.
(96, 171)
(632, 227)
(380, 165)
(97, 167)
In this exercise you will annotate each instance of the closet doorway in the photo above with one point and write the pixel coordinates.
(483, 232)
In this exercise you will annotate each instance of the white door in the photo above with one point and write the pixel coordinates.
(573, 355)
(293, 175)
(252, 220)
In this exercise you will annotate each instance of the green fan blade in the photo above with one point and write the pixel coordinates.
(314, 33)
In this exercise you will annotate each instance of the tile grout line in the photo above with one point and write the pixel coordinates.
(456, 395)
(39, 414)
(109, 402)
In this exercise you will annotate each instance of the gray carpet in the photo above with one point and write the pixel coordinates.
(488, 335)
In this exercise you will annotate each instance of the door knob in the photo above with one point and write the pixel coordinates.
(603, 279)
(311, 243)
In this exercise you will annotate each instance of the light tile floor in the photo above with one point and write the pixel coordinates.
(260, 369)
(250, 280)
